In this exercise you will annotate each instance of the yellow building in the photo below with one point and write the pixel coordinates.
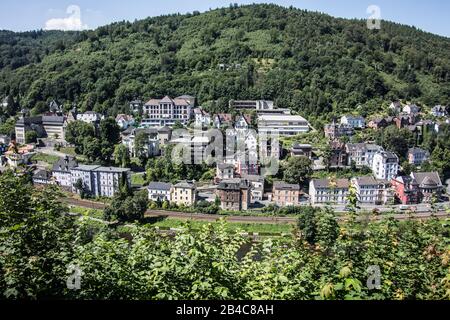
(184, 193)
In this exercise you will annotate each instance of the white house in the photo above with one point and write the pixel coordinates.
(355, 122)
(159, 191)
(61, 171)
(439, 111)
(411, 109)
(362, 153)
(151, 146)
(257, 187)
(202, 118)
(396, 106)
(417, 156)
(284, 125)
(242, 123)
(90, 117)
(125, 121)
(373, 191)
(100, 181)
(224, 171)
(385, 165)
(328, 191)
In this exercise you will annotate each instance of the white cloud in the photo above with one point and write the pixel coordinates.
(72, 22)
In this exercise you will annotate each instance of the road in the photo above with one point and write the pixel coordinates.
(251, 219)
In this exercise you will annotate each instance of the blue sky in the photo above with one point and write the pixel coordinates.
(22, 15)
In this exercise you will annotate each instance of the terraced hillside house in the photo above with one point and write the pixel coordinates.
(184, 193)
(285, 194)
(385, 165)
(430, 186)
(98, 181)
(167, 111)
(417, 156)
(159, 191)
(362, 154)
(234, 194)
(373, 191)
(329, 191)
(355, 122)
(61, 171)
(257, 187)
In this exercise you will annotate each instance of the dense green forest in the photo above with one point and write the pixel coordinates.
(312, 63)
(41, 246)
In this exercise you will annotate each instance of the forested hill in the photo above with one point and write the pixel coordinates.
(310, 62)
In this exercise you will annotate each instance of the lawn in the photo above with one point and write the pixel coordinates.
(93, 213)
(45, 158)
(137, 179)
(260, 228)
(69, 151)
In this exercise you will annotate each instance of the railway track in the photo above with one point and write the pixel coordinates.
(251, 219)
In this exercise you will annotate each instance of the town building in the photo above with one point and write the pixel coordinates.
(136, 106)
(328, 191)
(355, 122)
(339, 156)
(242, 123)
(440, 111)
(284, 125)
(42, 177)
(411, 109)
(385, 165)
(184, 193)
(52, 127)
(98, 181)
(202, 118)
(223, 121)
(381, 123)
(251, 105)
(406, 190)
(150, 148)
(224, 171)
(234, 194)
(334, 131)
(417, 156)
(299, 150)
(362, 154)
(257, 187)
(125, 121)
(61, 172)
(159, 191)
(430, 185)
(90, 117)
(373, 191)
(284, 194)
(396, 107)
(167, 111)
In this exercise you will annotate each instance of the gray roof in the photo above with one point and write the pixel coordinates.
(253, 178)
(53, 119)
(159, 186)
(83, 167)
(112, 169)
(233, 184)
(185, 185)
(223, 166)
(369, 181)
(280, 185)
(326, 183)
(65, 164)
(427, 179)
(42, 175)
